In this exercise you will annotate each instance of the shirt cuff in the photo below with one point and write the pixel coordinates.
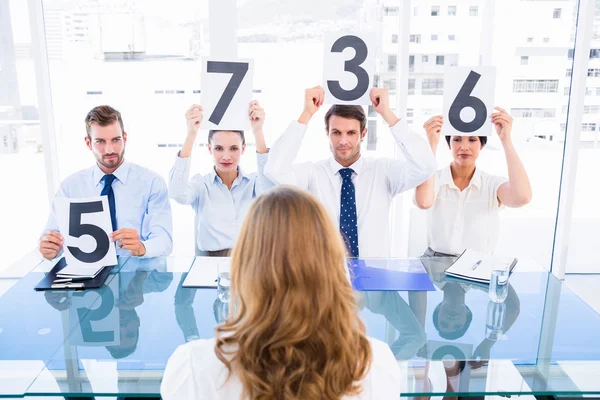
(261, 161)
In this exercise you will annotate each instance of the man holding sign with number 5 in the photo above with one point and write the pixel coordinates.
(463, 200)
(222, 197)
(139, 203)
(357, 191)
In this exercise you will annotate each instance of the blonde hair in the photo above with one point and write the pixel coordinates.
(294, 333)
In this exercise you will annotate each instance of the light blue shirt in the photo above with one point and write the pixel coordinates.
(141, 202)
(219, 211)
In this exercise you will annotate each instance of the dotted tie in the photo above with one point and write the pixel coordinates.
(348, 220)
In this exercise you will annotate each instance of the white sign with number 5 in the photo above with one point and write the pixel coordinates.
(85, 224)
(348, 67)
(226, 93)
(468, 100)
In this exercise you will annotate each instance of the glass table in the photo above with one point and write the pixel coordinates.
(115, 341)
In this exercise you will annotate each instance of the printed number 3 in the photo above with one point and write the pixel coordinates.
(352, 66)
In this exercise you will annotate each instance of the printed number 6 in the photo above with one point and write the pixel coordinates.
(463, 100)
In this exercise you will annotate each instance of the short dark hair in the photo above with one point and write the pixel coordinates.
(454, 334)
(103, 116)
(482, 139)
(349, 112)
(212, 132)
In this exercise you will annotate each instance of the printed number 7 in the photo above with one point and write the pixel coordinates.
(238, 71)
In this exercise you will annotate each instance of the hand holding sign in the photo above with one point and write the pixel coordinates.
(468, 100)
(349, 64)
(503, 123)
(380, 100)
(226, 93)
(194, 116)
(51, 243)
(86, 226)
(129, 239)
(433, 128)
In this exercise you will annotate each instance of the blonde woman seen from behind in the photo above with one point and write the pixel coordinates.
(294, 332)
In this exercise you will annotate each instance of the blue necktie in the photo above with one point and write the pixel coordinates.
(108, 191)
(348, 220)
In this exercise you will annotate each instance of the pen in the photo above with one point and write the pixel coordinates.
(67, 285)
(62, 280)
(475, 265)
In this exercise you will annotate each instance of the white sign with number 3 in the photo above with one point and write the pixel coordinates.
(348, 67)
(468, 100)
(85, 224)
(226, 93)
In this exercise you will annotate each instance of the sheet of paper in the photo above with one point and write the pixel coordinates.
(468, 101)
(86, 227)
(348, 67)
(205, 271)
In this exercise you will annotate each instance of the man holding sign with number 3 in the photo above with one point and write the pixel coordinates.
(464, 201)
(139, 203)
(357, 191)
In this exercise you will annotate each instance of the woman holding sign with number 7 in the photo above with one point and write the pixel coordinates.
(463, 200)
(220, 198)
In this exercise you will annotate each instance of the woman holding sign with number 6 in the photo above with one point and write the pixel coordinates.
(463, 200)
(222, 197)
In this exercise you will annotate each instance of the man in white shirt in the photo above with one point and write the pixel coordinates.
(360, 188)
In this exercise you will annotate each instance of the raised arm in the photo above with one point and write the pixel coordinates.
(517, 191)
(257, 119)
(425, 192)
(417, 163)
(181, 189)
(280, 168)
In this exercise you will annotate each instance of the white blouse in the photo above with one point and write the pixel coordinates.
(465, 219)
(194, 372)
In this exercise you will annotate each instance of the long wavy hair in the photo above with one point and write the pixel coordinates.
(294, 332)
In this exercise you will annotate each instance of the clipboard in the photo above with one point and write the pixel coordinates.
(95, 283)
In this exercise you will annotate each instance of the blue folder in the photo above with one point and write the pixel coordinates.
(408, 275)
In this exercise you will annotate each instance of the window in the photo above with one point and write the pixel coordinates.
(535, 86)
(567, 90)
(557, 13)
(392, 63)
(432, 86)
(592, 72)
(524, 60)
(588, 127)
(588, 91)
(391, 11)
(594, 53)
(570, 72)
(416, 11)
(546, 40)
(473, 11)
(394, 38)
(410, 112)
(415, 38)
(435, 11)
(411, 63)
(425, 59)
(529, 40)
(390, 84)
(451, 38)
(533, 112)
(439, 60)
(434, 37)
(591, 109)
(411, 86)
(452, 11)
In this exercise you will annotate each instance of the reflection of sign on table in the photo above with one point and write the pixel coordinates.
(98, 316)
(226, 93)
(85, 224)
(348, 68)
(468, 101)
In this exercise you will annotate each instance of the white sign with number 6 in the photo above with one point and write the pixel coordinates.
(348, 67)
(226, 93)
(468, 100)
(85, 224)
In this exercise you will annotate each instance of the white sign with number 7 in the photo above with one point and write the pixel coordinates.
(468, 100)
(226, 93)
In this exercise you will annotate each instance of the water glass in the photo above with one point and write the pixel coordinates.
(499, 285)
(223, 281)
(494, 323)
